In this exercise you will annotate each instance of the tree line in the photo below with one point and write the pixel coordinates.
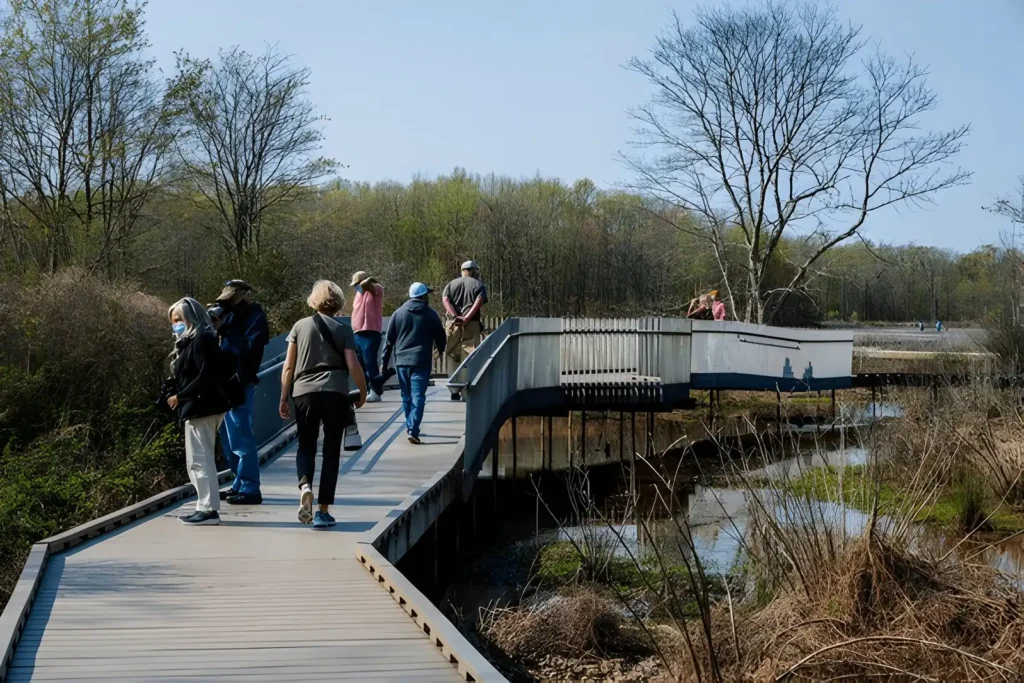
(772, 137)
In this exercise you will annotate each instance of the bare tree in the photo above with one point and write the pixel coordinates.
(250, 139)
(1013, 209)
(127, 124)
(83, 125)
(1010, 207)
(766, 122)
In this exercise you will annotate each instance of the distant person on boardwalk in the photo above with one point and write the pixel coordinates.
(414, 332)
(700, 308)
(199, 400)
(321, 357)
(717, 305)
(243, 330)
(938, 326)
(707, 307)
(367, 322)
(920, 326)
(463, 298)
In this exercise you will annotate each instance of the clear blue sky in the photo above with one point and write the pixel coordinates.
(532, 86)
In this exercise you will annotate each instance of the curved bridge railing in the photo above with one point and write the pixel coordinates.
(535, 365)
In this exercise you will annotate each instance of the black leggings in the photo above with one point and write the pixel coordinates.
(334, 411)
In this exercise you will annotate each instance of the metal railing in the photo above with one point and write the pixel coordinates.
(266, 422)
(640, 348)
(536, 362)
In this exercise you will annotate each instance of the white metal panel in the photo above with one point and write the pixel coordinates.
(770, 352)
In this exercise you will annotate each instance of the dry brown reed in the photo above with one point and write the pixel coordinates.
(819, 595)
(576, 622)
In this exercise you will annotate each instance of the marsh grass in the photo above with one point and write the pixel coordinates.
(815, 594)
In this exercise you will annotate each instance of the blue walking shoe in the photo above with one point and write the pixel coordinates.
(323, 520)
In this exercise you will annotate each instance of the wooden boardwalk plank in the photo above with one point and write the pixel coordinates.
(259, 598)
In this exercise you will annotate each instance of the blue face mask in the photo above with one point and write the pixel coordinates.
(178, 329)
(359, 289)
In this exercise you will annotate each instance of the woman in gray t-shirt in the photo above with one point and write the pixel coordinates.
(321, 358)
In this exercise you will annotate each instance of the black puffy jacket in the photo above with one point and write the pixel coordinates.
(198, 370)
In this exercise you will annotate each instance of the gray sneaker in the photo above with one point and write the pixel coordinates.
(306, 505)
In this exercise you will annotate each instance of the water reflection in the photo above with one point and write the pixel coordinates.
(879, 410)
(719, 521)
(791, 468)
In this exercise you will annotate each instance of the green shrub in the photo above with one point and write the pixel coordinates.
(89, 341)
(80, 362)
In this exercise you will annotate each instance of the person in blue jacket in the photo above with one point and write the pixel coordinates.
(243, 330)
(414, 332)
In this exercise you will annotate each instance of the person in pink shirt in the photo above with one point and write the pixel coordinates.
(717, 305)
(367, 321)
(700, 308)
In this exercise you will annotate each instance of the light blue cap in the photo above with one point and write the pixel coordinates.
(418, 289)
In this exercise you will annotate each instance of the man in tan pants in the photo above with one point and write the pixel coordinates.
(463, 298)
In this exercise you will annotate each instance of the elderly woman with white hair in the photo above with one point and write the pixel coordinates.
(199, 401)
(321, 357)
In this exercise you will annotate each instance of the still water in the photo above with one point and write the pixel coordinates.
(717, 518)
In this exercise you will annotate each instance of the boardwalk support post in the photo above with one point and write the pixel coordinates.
(536, 512)
(622, 435)
(551, 446)
(650, 435)
(494, 471)
(583, 438)
(515, 453)
(632, 436)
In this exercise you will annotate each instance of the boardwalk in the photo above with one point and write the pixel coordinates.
(262, 598)
(259, 598)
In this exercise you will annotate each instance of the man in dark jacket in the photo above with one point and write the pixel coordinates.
(243, 330)
(414, 332)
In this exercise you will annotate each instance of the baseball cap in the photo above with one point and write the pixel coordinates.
(360, 278)
(470, 265)
(418, 289)
(232, 287)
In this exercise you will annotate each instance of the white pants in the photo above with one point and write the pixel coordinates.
(200, 458)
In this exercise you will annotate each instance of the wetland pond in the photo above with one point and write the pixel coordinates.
(544, 510)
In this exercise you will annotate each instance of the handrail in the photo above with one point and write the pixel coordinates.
(553, 363)
(266, 371)
(544, 357)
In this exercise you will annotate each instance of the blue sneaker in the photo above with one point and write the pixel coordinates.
(322, 520)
